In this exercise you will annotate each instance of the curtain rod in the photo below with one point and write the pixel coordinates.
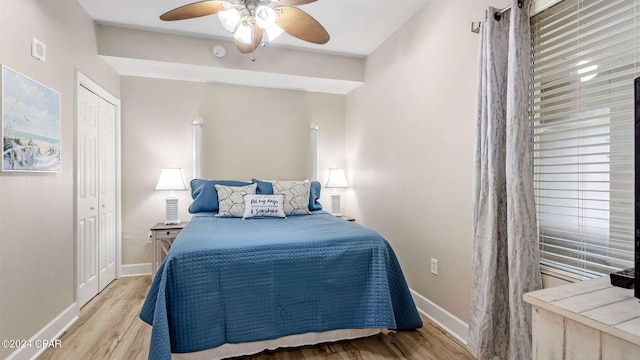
(498, 14)
(475, 27)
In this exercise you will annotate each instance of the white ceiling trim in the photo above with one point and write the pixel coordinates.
(206, 74)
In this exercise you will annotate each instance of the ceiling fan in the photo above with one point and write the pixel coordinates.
(253, 22)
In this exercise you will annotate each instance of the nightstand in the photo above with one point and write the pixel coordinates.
(162, 236)
(347, 218)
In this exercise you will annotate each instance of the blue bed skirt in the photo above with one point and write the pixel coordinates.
(228, 280)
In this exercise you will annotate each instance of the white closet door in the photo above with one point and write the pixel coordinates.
(107, 193)
(87, 197)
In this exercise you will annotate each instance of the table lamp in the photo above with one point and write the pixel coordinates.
(171, 179)
(337, 179)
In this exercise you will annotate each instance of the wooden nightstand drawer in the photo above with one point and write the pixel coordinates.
(166, 234)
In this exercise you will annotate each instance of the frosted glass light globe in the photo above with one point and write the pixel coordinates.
(244, 34)
(229, 19)
(273, 32)
(265, 17)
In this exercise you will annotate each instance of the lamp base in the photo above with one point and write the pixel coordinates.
(335, 204)
(172, 211)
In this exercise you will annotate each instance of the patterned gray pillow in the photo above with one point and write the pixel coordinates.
(296, 196)
(231, 201)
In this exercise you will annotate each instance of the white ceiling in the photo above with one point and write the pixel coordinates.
(356, 27)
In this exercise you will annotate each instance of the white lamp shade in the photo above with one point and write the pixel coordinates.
(171, 179)
(337, 179)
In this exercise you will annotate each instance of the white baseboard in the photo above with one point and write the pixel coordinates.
(446, 320)
(51, 331)
(135, 269)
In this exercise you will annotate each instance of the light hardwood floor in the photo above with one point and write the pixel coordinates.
(109, 328)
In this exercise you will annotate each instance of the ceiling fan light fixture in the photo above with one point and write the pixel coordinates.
(243, 33)
(229, 19)
(249, 20)
(265, 17)
(273, 32)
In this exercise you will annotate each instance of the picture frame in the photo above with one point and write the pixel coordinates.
(31, 125)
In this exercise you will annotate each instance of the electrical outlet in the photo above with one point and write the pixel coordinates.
(149, 238)
(434, 266)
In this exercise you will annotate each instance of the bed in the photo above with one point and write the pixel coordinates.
(229, 281)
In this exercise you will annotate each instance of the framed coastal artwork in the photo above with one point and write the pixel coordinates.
(31, 125)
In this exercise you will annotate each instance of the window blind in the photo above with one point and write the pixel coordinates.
(584, 58)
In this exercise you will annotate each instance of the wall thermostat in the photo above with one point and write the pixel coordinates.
(38, 49)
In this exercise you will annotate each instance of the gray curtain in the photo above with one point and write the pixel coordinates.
(505, 249)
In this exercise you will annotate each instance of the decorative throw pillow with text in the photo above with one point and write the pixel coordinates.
(263, 206)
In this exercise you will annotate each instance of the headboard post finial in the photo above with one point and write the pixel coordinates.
(313, 170)
(197, 147)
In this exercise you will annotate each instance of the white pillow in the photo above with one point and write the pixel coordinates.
(296, 196)
(230, 199)
(263, 206)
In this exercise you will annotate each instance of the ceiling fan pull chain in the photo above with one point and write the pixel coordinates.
(253, 42)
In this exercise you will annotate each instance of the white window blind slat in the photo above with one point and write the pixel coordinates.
(566, 21)
(591, 33)
(615, 76)
(568, 113)
(584, 58)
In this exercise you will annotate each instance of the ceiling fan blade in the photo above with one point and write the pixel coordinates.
(299, 24)
(194, 10)
(256, 34)
(293, 2)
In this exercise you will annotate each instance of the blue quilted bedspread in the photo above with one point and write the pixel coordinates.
(228, 280)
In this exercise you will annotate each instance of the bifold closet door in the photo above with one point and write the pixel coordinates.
(96, 195)
(106, 193)
(87, 197)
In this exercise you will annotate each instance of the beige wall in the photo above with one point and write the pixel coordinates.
(37, 263)
(410, 139)
(167, 48)
(248, 132)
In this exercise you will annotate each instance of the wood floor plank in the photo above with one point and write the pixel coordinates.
(109, 328)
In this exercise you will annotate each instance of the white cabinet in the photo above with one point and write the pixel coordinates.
(96, 194)
(585, 320)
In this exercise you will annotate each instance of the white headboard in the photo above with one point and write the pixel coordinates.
(198, 122)
(313, 164)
